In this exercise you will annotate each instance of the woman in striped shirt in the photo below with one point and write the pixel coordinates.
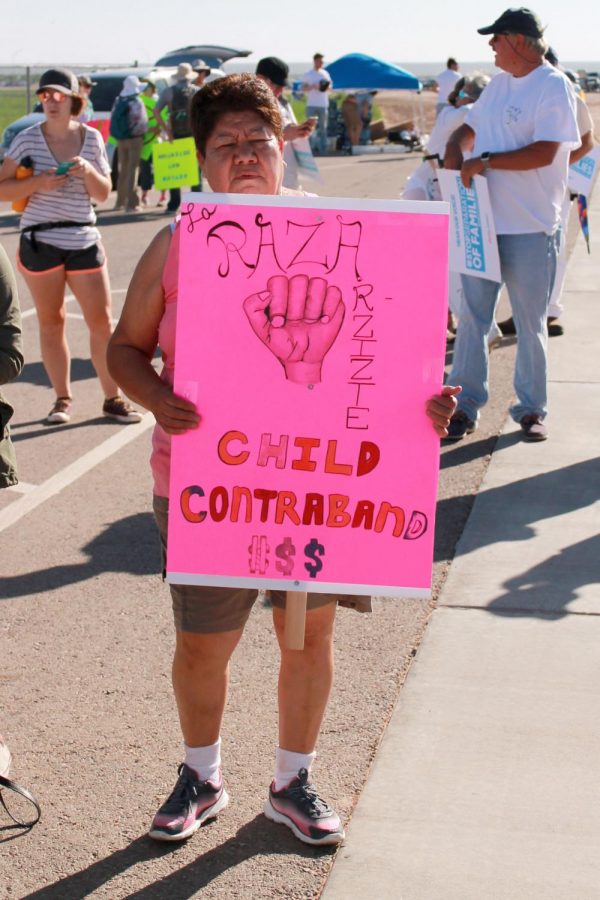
(60, 245)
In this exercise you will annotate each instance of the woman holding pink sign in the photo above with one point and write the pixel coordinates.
(237, 128)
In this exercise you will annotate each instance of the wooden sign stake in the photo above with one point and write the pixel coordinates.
(295, 620)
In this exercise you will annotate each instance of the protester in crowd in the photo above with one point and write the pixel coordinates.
(352, 118)
(445, 83)
(176, 100)
(521, 131)
(317, 83)
(85, 89)
(275, 72)
(11, 363)
(423, 183)
(238, 129)
(149, 99)
(60, 245)
(200, 70)
(586, 132)
(128, 125)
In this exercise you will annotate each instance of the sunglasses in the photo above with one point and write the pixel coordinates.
(496, 37)
(57, 96)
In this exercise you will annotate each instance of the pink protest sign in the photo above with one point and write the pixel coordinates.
(310, 334)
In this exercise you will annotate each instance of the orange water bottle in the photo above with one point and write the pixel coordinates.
(24, 170)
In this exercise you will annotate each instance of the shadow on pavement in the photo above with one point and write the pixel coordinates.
(34, 373)
(546, 589)
(130, 545)
(511, 513)
(256, 838)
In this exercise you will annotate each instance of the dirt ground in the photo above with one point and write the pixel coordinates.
(398, 106)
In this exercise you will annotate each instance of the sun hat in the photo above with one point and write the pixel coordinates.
(184, 70)
(131, 86)
(515, 21)
(61, 80)
(200, 66)
(274, 69)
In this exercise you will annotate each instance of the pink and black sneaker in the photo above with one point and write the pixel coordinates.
(191, 803)
(300, 808)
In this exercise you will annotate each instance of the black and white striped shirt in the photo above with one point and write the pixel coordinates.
(70, 202)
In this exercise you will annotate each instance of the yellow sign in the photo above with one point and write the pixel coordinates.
(175, 164)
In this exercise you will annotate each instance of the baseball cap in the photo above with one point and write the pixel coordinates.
(200, 66)
(85, 79)
(61, 80)
(184, 70)
(515, 21)
(274, 69)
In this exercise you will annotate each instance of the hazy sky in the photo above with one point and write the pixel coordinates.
(422, 30)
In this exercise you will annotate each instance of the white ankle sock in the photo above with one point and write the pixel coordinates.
(288, 764)
(205, 761)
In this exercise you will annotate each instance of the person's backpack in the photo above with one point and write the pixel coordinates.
(180, 109)
(120, 127)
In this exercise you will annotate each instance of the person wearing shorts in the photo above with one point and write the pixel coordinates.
(237, 127)
(52, 172)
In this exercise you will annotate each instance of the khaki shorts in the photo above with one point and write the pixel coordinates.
(207, 610)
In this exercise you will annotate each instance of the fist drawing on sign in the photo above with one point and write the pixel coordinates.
(298, 319)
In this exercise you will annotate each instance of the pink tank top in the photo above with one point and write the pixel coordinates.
(160, 459)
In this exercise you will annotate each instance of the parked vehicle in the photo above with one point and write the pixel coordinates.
(212, 55)
(591, 82)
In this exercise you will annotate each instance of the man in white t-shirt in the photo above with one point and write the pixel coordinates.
(521, 131)
(317, 84)
(446, 82)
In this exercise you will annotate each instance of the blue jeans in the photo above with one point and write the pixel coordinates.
(528, 267)
(318, 139)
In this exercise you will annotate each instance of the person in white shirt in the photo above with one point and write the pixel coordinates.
(521, 131)
(446, 82)
(586, 133)
(317, 83)
(275, 72)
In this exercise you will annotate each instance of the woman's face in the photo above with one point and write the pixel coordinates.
(57, 106)
(243, 156)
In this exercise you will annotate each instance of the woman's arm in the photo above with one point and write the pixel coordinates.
(586, 146)
(96, 184)
(134, 341)
(12, 188)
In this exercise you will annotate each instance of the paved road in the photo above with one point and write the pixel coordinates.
(86, 640)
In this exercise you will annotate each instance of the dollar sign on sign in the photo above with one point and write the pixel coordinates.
(314, 550)
(285, 551)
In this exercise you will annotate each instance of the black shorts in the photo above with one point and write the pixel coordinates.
(47, 258)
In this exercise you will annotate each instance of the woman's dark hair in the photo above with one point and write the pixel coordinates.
(76, 104)
(234, 93)
(453, 95)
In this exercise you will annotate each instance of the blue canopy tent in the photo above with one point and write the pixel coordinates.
(357, 71)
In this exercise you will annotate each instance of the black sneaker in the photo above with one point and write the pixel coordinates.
(192, 802)
(300, 808)
(533, 428)
(460, 425)
(555, 329)
(508, 326)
